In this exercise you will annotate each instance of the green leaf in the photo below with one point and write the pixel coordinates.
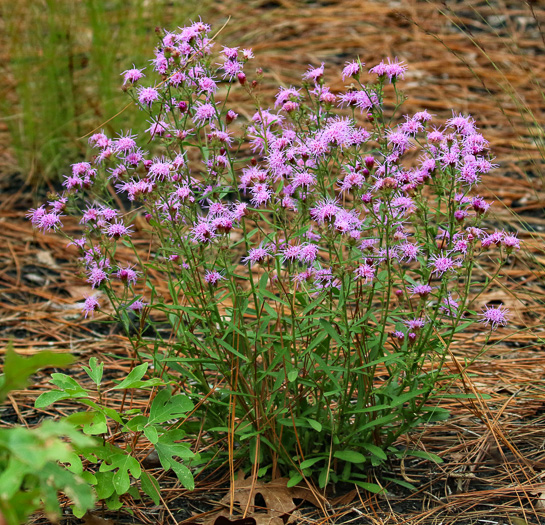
(309, 462)
(401, 483)
(184, 475)
(94, 370)
(350, 455)
(296, 478)
(167, 449)
(151, 434)
(150, 486)
(425, 455)
(323, 478)
(407, 396)
(165, 408)
(104, 487)
(67, 383)
(328, 327)
(376, 451)
(371, 487)
(17, 369)
(133, 380)
(293, 375)
(97, 425)
(315, 425)
(135, 374)
(124, 463)
(50, 397)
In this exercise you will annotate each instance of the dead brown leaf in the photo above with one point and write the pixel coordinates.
(278, 498)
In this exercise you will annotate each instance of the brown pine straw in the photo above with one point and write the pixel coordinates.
(492, 448)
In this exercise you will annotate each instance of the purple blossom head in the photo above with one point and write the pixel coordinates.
(256, 255)
(90, 305)
(352, 69)
(449, 306)
(213, 277)
(415, 324)
(117, 230)
(204, 112)
(49, 221)
(510, 241)
(494, 316)
(127, 275)
(314, 73)
(392, 69)
(365, 272)
(147, 96)
(442, 263)
(137, 306)
(96, 276)
(132, 75)
(423, 290)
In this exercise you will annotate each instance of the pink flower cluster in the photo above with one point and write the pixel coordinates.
(347, 207)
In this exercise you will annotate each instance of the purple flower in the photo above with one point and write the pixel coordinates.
(137, 306)
(307, 253)
(207, 84)
(304, 178)
(49, 221)
(132, 75)
(393, 70)
(212, 278)
(35, 215)
(147, 96)
(230, 53)
(352, 69)
(314, 74)
(117, 230)
(125, 143)
(160, 169)
(449, 306)
(127, 275)
(96, 276)
(364, 271)
(90, 305)
(256, 255)
(423, 290)
(158, 128)
(442, 264)
(204, 112)
(203, 232)
(408, 252)
(325, 210)
(291, 253)
(284, 95)
(415, 324)
(511, 242)
(494, 316)
(480, 205)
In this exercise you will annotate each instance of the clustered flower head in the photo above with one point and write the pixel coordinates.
(351, 209)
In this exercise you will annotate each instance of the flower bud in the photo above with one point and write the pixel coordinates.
(242, 78)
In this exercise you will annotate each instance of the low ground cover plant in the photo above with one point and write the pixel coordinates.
(318, 259)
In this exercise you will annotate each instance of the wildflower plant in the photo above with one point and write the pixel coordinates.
(318, 257)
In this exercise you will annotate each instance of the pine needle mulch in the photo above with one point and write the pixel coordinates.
(480, 57)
